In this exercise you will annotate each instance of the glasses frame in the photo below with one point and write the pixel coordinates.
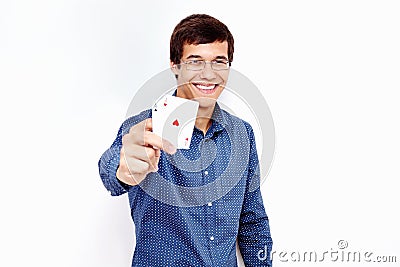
(213, 64)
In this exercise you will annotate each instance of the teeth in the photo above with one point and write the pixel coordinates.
(205, 87)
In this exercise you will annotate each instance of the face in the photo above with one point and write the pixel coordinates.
(206, 85)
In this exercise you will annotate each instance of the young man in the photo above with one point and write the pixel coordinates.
(204, 230)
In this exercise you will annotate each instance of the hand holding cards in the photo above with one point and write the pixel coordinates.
(171, 127)
(174, 119)
(140, 153)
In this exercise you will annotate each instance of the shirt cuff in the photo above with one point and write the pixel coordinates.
(115, 186)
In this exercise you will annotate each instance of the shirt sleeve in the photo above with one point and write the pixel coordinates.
(254, 236)
(109, 161)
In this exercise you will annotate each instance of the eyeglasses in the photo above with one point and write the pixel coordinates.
(197, 65)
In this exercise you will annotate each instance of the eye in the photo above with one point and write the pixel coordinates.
(220, 62)
(195, 62)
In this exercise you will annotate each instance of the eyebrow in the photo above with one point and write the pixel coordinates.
(198, 56)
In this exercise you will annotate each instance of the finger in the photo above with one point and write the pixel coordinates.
(156, 159)
(140, 134)
(138, 129)
(166, 145)
(157, 153)
(135, 165)
(146, 154)
(149, 127)
(151, 139)
(148, 124)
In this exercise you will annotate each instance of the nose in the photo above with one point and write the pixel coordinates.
(207, 73)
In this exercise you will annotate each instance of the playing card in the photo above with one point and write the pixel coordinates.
(174, 119)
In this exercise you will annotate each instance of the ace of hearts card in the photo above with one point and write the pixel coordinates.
(174, 119)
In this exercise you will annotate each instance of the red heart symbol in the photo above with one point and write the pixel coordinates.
(176, 123)
(165, 104)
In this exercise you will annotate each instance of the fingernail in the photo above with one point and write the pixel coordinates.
(171, 149)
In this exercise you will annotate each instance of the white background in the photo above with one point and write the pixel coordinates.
(329, 71)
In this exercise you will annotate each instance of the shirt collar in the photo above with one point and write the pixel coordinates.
(218, 118)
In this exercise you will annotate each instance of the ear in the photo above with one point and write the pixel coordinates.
(174, 68)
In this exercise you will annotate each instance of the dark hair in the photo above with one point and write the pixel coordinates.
(199, 29)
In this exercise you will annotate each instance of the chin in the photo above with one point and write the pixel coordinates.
(205, 102)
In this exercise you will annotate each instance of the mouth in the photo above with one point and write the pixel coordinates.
(206, 88)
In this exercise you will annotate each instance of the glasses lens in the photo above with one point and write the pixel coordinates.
(195, 65)
(220, 65)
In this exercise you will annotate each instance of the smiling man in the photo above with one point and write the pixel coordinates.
(200, 81)
(219, 169)
(200, 58)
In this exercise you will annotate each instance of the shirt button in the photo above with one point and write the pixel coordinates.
(211, 238)
(206, 172)
(209, 204)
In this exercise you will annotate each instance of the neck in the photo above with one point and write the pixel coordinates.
(203, 120)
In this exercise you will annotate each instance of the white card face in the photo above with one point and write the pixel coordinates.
(174, 119)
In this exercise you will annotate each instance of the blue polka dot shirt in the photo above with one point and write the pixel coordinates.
(200, 202)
